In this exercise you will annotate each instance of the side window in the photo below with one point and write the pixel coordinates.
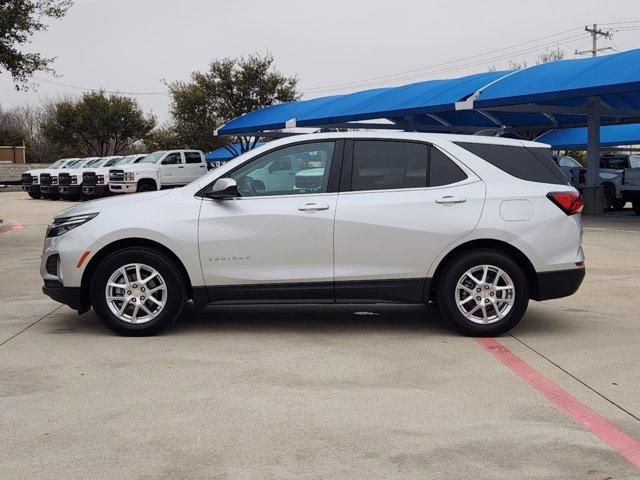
(172, 159)
(384, 165)
(442, 170)
(192, 157)
(292, 170)
(531, 164)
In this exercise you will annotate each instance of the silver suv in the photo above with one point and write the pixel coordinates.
(477, 225)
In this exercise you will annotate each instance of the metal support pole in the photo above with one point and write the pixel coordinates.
(593, 192)
(593, 141)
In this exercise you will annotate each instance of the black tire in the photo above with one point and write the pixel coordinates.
(608, 199)
(35, 196)
(619, 204)
(146, 187)
(636, 206)
(446, 293)
(175, 297)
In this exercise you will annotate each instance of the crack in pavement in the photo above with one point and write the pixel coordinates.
(583, 383)
(31, 325)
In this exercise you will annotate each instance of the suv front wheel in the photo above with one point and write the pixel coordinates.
(137, 291)
(483, 293)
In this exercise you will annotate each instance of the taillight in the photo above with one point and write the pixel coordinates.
(569, 202)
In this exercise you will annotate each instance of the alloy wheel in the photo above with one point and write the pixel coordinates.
(485, 294)
(136, 293)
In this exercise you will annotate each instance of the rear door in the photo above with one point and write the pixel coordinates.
(172, 169)
(632, 172)
(194, 166)
(400, 204)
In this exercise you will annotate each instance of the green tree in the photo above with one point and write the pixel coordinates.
(19, 20)
(97, 125)
(228, 89)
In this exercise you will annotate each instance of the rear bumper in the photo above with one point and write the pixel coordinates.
(70, 296)
(558, 284)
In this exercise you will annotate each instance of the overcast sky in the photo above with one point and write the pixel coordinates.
(130, 46)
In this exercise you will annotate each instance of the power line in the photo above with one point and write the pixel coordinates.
(448, 62)
(115, 92)
(510, 55)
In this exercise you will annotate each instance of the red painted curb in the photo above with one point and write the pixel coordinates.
(14, 227)
(627, 446)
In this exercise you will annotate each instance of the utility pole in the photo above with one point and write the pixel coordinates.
(595, 34)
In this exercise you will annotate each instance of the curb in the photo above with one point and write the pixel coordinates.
(7, 226)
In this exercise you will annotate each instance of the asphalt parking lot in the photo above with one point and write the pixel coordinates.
(321, 391)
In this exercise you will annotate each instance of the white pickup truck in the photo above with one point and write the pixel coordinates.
(95, 182)
(161, 169)
(31, 178)
(629, 167)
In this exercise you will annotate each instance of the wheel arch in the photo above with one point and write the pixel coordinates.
(486, 244)
(110, 248)
(148, 181)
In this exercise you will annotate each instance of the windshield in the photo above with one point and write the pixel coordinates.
(94, 163)
(57, 164)
(634, 161)
(73, 164)
(153, 157)
(125, 160)
(113, 161)
(569, 162)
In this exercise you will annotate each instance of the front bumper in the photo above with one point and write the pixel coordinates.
(558, 283)
(123, 187)
(50, 189)
(70, 189)
(35, 189)
(96, 190)
(70, 296)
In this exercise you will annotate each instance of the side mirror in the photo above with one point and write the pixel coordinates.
(222, 189)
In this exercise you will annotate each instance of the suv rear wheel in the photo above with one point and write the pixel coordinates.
(137, 291)
(483, 293)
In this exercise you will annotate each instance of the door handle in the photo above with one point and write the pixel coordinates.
(180, 166)
(450, 200)
(312, 207)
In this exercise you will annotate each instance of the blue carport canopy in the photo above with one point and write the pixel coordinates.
(229, 152)
(544, 96)
(576, 138)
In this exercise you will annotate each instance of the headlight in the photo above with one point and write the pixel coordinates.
(100, 179)
(73, 179)
(64, 224)
(129, 176)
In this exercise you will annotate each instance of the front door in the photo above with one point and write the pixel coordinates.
(403, 203)
(274, 242)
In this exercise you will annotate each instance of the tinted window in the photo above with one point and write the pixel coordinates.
(291, 170)
(192, 157)
(442, 170)
(532, 164)
(380, 165)
(614, 162)
(172, 159)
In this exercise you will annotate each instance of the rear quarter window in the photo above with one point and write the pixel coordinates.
(531, 164)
